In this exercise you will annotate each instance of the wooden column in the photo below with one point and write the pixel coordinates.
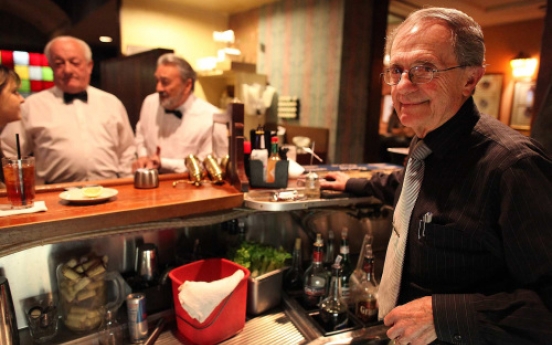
(541, 127)
(364, 30)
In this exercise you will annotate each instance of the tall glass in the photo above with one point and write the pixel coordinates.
(19, 177)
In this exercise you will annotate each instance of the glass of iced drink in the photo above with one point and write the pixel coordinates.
(19, 177)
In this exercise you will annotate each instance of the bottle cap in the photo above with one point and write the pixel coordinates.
(246, 147)
(312, 176)
(274, 140)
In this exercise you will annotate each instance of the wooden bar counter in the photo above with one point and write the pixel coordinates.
(65, 221)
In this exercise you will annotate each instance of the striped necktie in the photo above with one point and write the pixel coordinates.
(394, 258)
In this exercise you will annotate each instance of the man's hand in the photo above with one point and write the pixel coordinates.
(412, 323)
(140, 163)
(338, 180)
(154, 162)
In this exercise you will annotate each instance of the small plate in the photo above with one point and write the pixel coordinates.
(76, 196)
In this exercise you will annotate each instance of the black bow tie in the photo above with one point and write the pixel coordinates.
(69, 97)
(175, 112)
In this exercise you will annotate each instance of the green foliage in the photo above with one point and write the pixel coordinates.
(260, 258)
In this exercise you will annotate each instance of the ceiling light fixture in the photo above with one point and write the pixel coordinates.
(106, 39)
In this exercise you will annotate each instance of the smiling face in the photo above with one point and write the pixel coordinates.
(71, 68)
(10, 101)
(172, 90)
(425, 107)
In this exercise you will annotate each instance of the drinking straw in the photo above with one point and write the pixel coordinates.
(20, 171)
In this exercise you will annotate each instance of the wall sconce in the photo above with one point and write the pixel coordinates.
(523, 66)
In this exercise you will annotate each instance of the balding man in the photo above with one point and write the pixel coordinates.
(75, 131)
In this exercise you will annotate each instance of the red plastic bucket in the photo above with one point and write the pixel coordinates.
(227, 319)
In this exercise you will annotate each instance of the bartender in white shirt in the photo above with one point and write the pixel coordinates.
(76, 132)
(174, 123)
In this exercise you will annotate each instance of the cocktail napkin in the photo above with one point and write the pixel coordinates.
(199, 299)
(38, 206)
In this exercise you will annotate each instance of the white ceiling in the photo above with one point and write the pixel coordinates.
(485, 12)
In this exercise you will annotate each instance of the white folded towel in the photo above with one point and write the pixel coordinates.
(199, 299)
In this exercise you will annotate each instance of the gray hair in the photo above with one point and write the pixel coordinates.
(467, 36)
(185, 69)
(85, 47)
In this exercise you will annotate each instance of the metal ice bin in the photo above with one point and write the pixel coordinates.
(265, 291)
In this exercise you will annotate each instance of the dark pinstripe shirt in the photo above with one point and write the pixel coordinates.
(486, 257)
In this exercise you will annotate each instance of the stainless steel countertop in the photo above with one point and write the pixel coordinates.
(274, 327)
(269, 329)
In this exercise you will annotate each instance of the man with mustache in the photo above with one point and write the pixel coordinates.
(174, 123)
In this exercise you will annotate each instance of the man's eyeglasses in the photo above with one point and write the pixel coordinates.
(419, 74)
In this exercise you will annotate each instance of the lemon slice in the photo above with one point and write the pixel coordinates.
(92, 192)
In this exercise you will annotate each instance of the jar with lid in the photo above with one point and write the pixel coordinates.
(312, 186)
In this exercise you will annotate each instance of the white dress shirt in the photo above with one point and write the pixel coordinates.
(177, 138)
(79, 141)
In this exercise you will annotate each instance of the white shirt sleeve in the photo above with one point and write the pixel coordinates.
(140, 140)
(8, 140)
(126, 150)
(173, 165)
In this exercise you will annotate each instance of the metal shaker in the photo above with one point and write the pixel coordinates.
(214, 170)
(9, 333)
(147, 261)
(194, 169)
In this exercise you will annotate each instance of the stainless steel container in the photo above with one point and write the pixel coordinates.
(147, 261)
(146, 178)
(9, 334)
(264, 292)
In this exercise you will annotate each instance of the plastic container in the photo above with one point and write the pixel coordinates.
(227, 319)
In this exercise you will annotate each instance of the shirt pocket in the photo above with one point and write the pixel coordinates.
(449, 237)
(458, 257)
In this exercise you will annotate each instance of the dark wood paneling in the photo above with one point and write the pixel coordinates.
(541, 128)
(65, 222)
(131, 79)
(364, 28)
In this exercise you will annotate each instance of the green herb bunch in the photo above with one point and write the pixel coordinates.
(260, 258)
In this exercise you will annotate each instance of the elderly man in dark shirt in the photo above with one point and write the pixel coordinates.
(479, 271)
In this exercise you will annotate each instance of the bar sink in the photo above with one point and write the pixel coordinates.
(356, 333)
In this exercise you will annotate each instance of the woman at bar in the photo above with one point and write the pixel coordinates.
(10, 99)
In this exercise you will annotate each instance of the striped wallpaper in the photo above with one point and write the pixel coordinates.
(302, 42)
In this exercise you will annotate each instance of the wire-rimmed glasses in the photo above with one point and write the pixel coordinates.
(419, 74)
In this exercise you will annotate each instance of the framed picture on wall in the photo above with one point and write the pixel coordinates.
(488, 94)
(522, 105)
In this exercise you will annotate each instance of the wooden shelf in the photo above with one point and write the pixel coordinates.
(66, 222)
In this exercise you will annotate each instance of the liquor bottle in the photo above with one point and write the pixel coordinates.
(259, 152)
(367, 294)
(110, 333)
(358, 273)
(260, 138)
(333, 309)
(346, 266)
(271, 163)
(316, 278)
(293, 279)
(330, 250)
